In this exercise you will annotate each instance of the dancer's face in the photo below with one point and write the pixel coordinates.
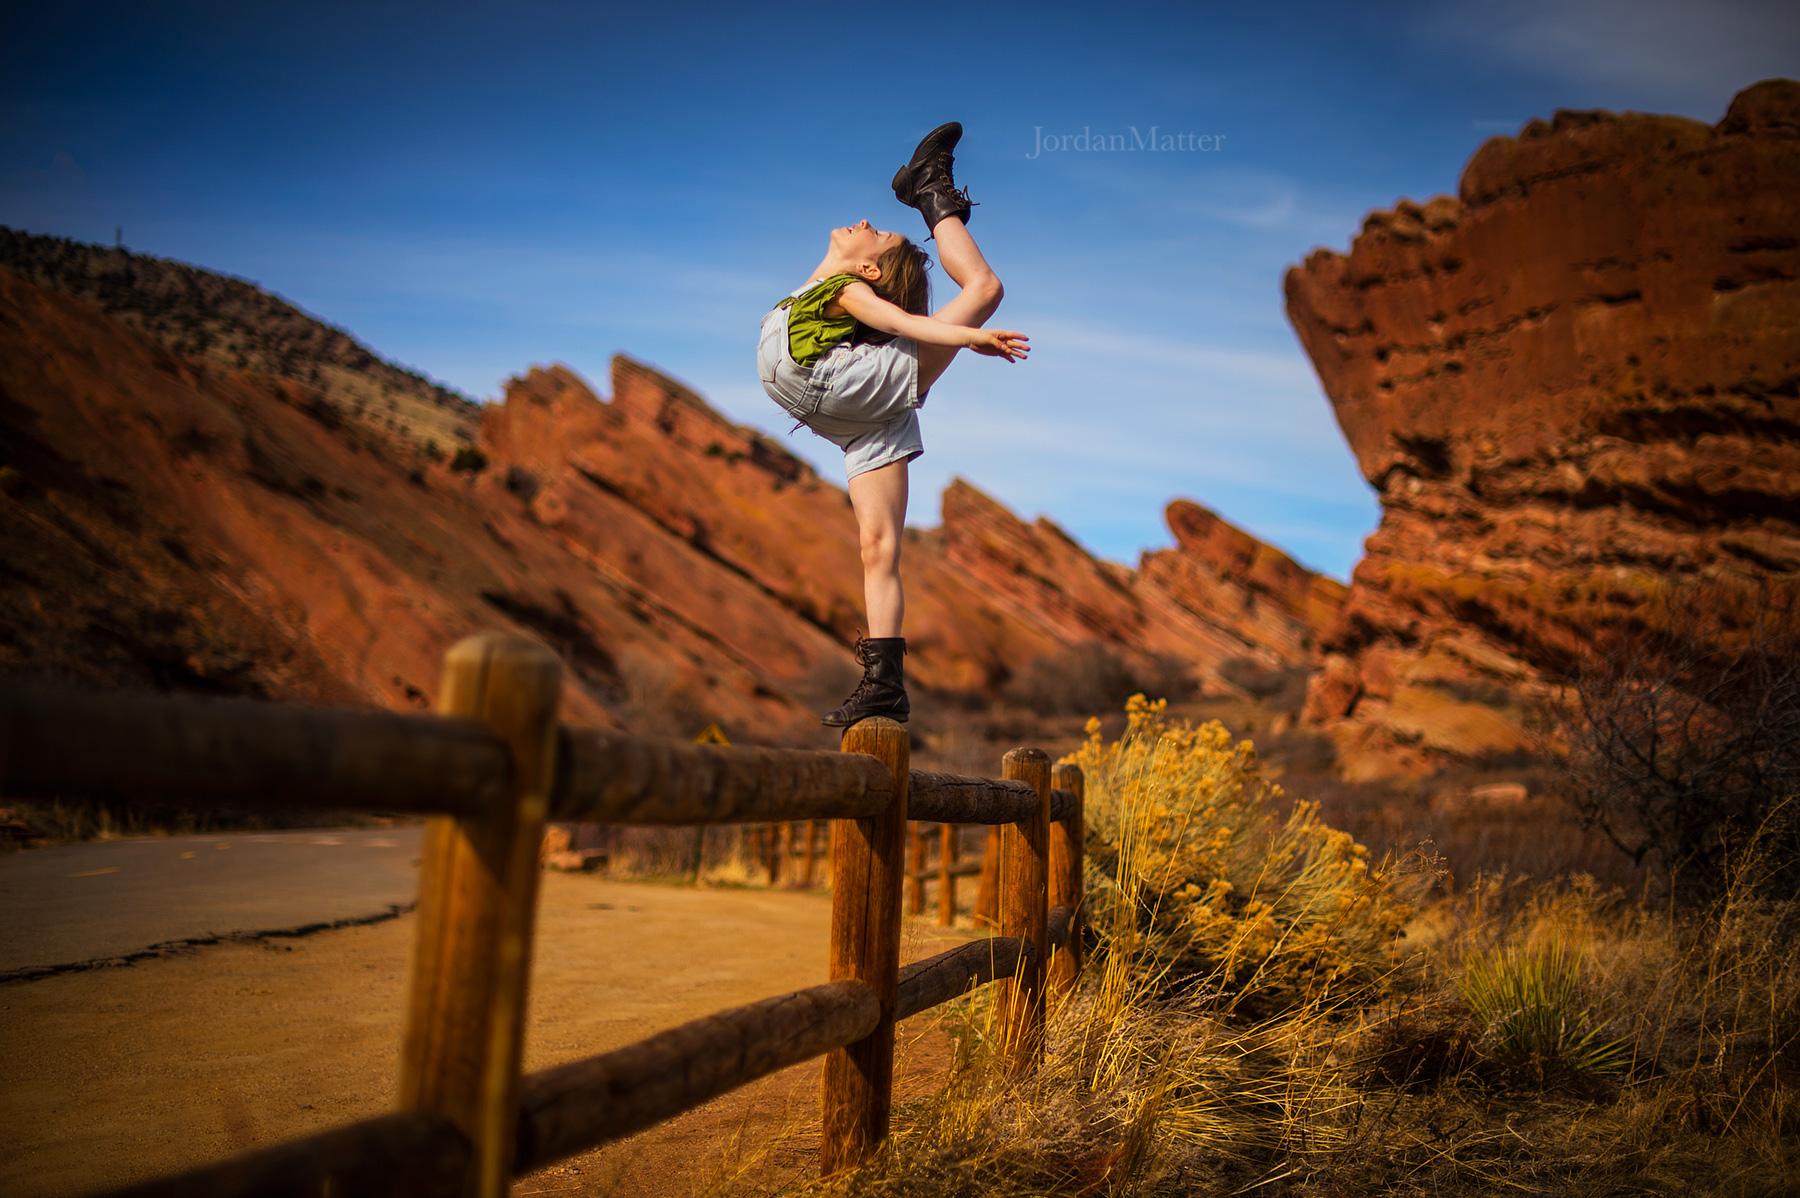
(863, 242)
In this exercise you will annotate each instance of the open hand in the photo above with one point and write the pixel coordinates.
(1000, 343)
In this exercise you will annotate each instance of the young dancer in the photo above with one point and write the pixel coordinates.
(852, 353)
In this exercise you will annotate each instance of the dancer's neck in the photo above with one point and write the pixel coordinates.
(830, 265)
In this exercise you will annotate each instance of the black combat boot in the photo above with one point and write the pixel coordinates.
(927, 183)
(882, 690)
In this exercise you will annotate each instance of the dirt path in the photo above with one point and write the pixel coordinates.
(119, 1074)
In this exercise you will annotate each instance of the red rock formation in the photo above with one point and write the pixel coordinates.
(171, 519)
(986, 592)
(1575, 384)
(171, 524)
(1247, 591)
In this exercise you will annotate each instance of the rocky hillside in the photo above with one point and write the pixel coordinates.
(1576, 385)
(230, 322)
(225, 515)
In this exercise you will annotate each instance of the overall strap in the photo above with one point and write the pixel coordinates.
(788, 301)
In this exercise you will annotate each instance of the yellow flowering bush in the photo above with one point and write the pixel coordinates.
(1197, 874)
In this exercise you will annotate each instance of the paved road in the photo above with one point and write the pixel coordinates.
(110, 1077)
(72, 906)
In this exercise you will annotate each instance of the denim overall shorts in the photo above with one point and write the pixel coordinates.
(862, 398)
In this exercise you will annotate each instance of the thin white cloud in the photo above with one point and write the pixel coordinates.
(1210, 188)
(1670, 54)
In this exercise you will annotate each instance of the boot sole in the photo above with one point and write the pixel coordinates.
(883, 715)
(918, 159)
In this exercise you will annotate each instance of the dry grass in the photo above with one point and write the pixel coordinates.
(1321, 1027)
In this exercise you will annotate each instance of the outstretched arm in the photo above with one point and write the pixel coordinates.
(860, 301)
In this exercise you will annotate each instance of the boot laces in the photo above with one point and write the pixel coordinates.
(958, 194)
(866, 655)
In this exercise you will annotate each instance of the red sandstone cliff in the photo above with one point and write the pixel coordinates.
(1256, 601)
(986, 592)
(178, 511)
(1575, 384)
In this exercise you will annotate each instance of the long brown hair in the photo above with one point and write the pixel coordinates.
(903, 283)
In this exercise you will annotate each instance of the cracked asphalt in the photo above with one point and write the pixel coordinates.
(110, 1075)
(76, 906)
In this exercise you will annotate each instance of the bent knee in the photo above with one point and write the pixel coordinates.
(880, 549)
(989, 288)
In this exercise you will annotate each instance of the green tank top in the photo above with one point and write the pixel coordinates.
(810, 331)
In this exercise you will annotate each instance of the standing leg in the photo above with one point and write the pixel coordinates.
(878, 497)
(973, 305)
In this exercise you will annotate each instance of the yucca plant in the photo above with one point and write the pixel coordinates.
(1527, 998)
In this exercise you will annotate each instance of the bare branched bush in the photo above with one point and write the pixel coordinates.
(1680, 732)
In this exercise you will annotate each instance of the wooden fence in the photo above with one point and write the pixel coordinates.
(490, 769)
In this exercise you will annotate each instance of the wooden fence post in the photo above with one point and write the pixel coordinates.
(868, 857)
(915, 872)
(699, 852)
(987, 883)
(812, 853)
(477, 903)
(1024, 849)
(947, 876)
(1066, 848)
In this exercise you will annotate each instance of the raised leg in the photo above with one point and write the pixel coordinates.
(878, 497)
(973, 305)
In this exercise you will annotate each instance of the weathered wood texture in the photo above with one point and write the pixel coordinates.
(953, 799)
(926, 984)
(1024, 860)
(57, 740)
(948, 865)
(204, 750)
(578, 1106)
(962, 869)
(477, 904)
(1056, 928)
(987, 885)
(1065, 883)
(615, 777)
(868, 861)
(809, 871)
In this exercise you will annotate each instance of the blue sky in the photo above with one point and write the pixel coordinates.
(472, 192)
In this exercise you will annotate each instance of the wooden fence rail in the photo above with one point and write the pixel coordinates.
(490, 768)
